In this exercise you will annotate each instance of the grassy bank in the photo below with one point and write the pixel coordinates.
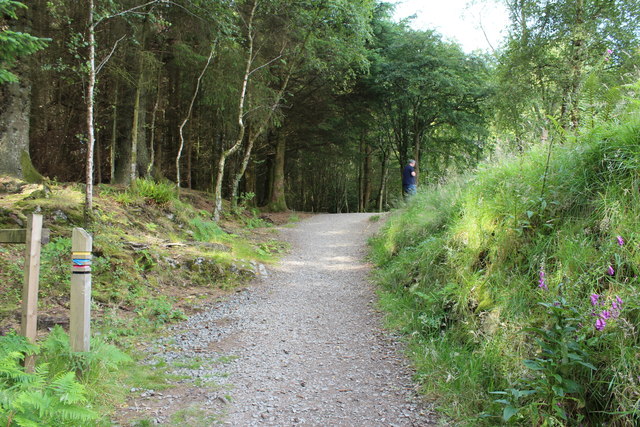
(157, 258)
(517, 286)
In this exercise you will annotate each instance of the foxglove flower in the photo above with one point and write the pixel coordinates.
(594, 299)
(606, 314)
(600, 324)
(620, 240)
(611, 271)
(542, 283)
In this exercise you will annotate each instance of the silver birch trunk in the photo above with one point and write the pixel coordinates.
(90, 129)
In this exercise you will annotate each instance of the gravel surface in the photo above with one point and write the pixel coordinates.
(304, 347)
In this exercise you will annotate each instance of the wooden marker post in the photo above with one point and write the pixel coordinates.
(80, 319)
(31, 282)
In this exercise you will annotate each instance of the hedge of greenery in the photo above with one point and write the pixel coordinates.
(518, 286)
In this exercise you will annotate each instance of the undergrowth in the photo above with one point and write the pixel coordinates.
(517, 285)
(66, 388)
(156, 256)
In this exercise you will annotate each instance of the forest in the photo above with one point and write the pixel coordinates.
(267, 99)
(527, 160)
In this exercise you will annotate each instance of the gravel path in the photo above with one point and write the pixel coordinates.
(312, 351)
(304, 347)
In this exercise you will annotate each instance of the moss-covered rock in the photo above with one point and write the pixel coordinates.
(29, 172)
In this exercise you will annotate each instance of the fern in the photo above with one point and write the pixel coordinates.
(38, 398)
(103, 357)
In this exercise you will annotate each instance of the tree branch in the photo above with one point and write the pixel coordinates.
(104, 61)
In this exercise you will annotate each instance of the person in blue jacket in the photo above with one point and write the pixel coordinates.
(409, 179)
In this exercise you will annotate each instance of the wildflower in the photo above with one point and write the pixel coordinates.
(611, 271)
(616, 306)
(594, 299)
(609, 51)
(542, 284)
(606, 314)
(620, 240)
(600, 323)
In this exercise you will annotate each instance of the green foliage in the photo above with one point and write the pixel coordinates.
(271, 248)
(159, 193)
(555, 384)
(149, 191)
(256, 222)
(207, 231)
(460, 266)
(103, 358)
(13, 44)
(550, 59)
(159, 311)
(56, 259)
(42, 398)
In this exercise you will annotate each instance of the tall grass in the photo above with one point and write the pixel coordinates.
(459, 270)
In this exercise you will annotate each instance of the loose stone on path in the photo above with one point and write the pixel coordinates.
(303, 347)
(311, 349)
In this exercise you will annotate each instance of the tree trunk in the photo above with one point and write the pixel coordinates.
(186, 119)
(189, 152)
(15, 104)
(98, 158)
(152, 147)
(114, 134)
(136, 124)
(277, 202)
(243, 167)
(361, 173)
(416, 153)
(383, 180)
(250, 181)
(366, 193)
(217, 209)
(133, 155)
(88, 205)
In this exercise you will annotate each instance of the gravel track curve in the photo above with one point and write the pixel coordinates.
(311, 349)
(304, 346)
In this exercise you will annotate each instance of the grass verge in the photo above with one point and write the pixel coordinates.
(517, 286)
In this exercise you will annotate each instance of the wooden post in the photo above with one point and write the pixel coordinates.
(79, 322)
(31, 280)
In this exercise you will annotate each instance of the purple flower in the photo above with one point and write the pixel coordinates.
(605, 314)
(620, 240)
(619, 300)
(594, 299)
(614, 305)
(600, 324)
(611, 271)
(609, 51)
(541, 283)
